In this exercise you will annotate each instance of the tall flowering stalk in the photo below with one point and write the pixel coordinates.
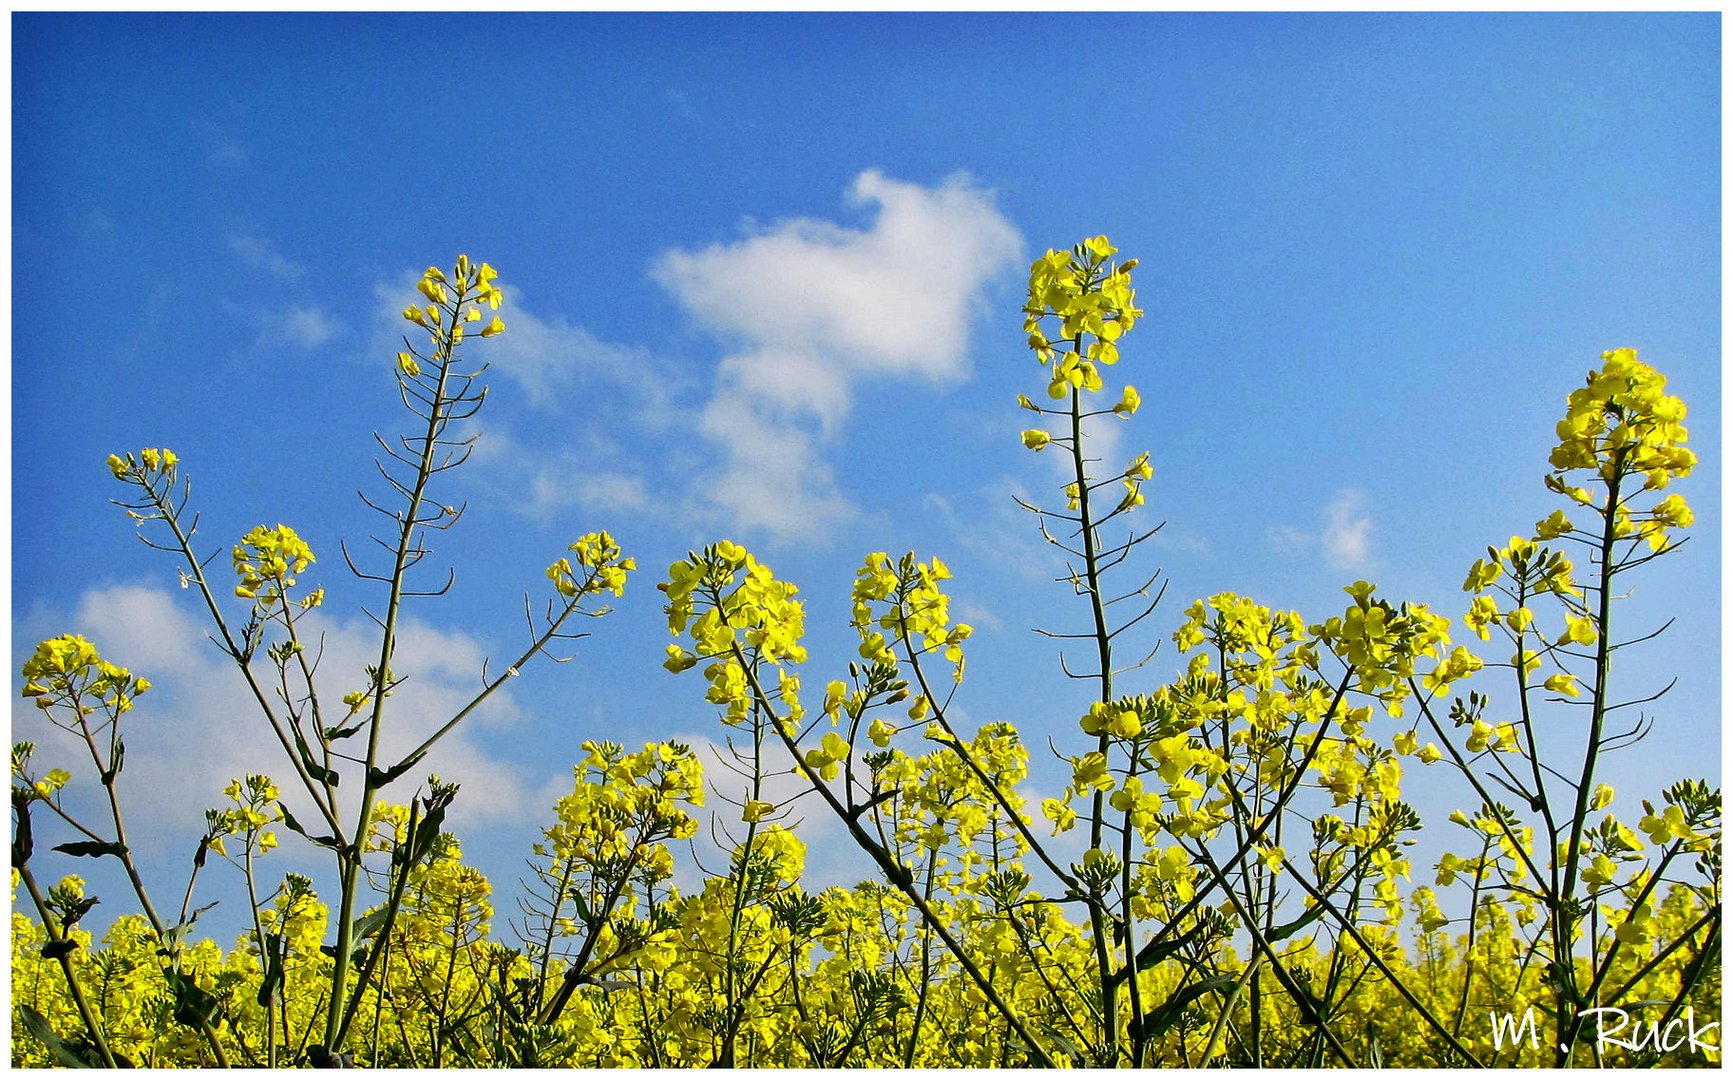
(1090, 296)
(1621, 444)
(439, 389)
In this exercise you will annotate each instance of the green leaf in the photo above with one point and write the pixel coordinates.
(38, 1026)
(91, 848)
(1160, 949)
(357, 955)
(193, 1005)
(380, 779)
(119, 758)
(428, 830)
(1157, 1020)
(1065, 1045)
(369, 924)
(1283, 932)
(314, 769)
(273, 980)
(295, 826)
(22, 844)
(174, 935)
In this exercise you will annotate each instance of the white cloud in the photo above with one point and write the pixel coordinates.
(304, 327)
(814, 306)
(200, 726)
(977, 616)
(1291, 541)
(895, 296)
(567, 484)
(557, 364)
(1345, 540)
(261, 254)
(1347, 532)
(774, 478)
(550, 358)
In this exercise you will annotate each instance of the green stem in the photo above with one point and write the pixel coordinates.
(350, 855)
(55, 936)
(894, 872)
(1104, 656)
(1564, 922)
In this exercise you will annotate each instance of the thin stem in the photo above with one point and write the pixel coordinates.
(56, 937)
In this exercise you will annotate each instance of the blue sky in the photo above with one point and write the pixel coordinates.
(762, 278)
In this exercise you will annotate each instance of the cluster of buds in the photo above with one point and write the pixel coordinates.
(459, 297)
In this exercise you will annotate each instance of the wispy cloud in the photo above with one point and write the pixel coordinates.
(678, 98)
(557, 365)
(812, 306)
(222, 147)
(199, 726)
(1344, 541)
(1348, 532)
(566, 484)
(261, 254)
(993, 527)
(548, 357)
(816, 306)
(303, 327)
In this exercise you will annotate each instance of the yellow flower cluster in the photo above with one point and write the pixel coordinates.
(657, 993)
(67, 671)
(903, 606)
(599, 555)
(255, 807)
(266, 559)
(624, 803)
(1089, 295)
(1381, 643)
(143, 465)
(738, 615)
(459, 297)
(1624, 423)
(1249, 798)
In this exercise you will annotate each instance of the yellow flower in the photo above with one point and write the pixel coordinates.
(1036, 439)
(1060, 814)
(1553, 526)
(1580, 630)
(1481, 575)
(755, 810)
(1563, 683)
(1668, 825)
(1125, 725)
(1600, 872)
(835, 694)
(1637, 928)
